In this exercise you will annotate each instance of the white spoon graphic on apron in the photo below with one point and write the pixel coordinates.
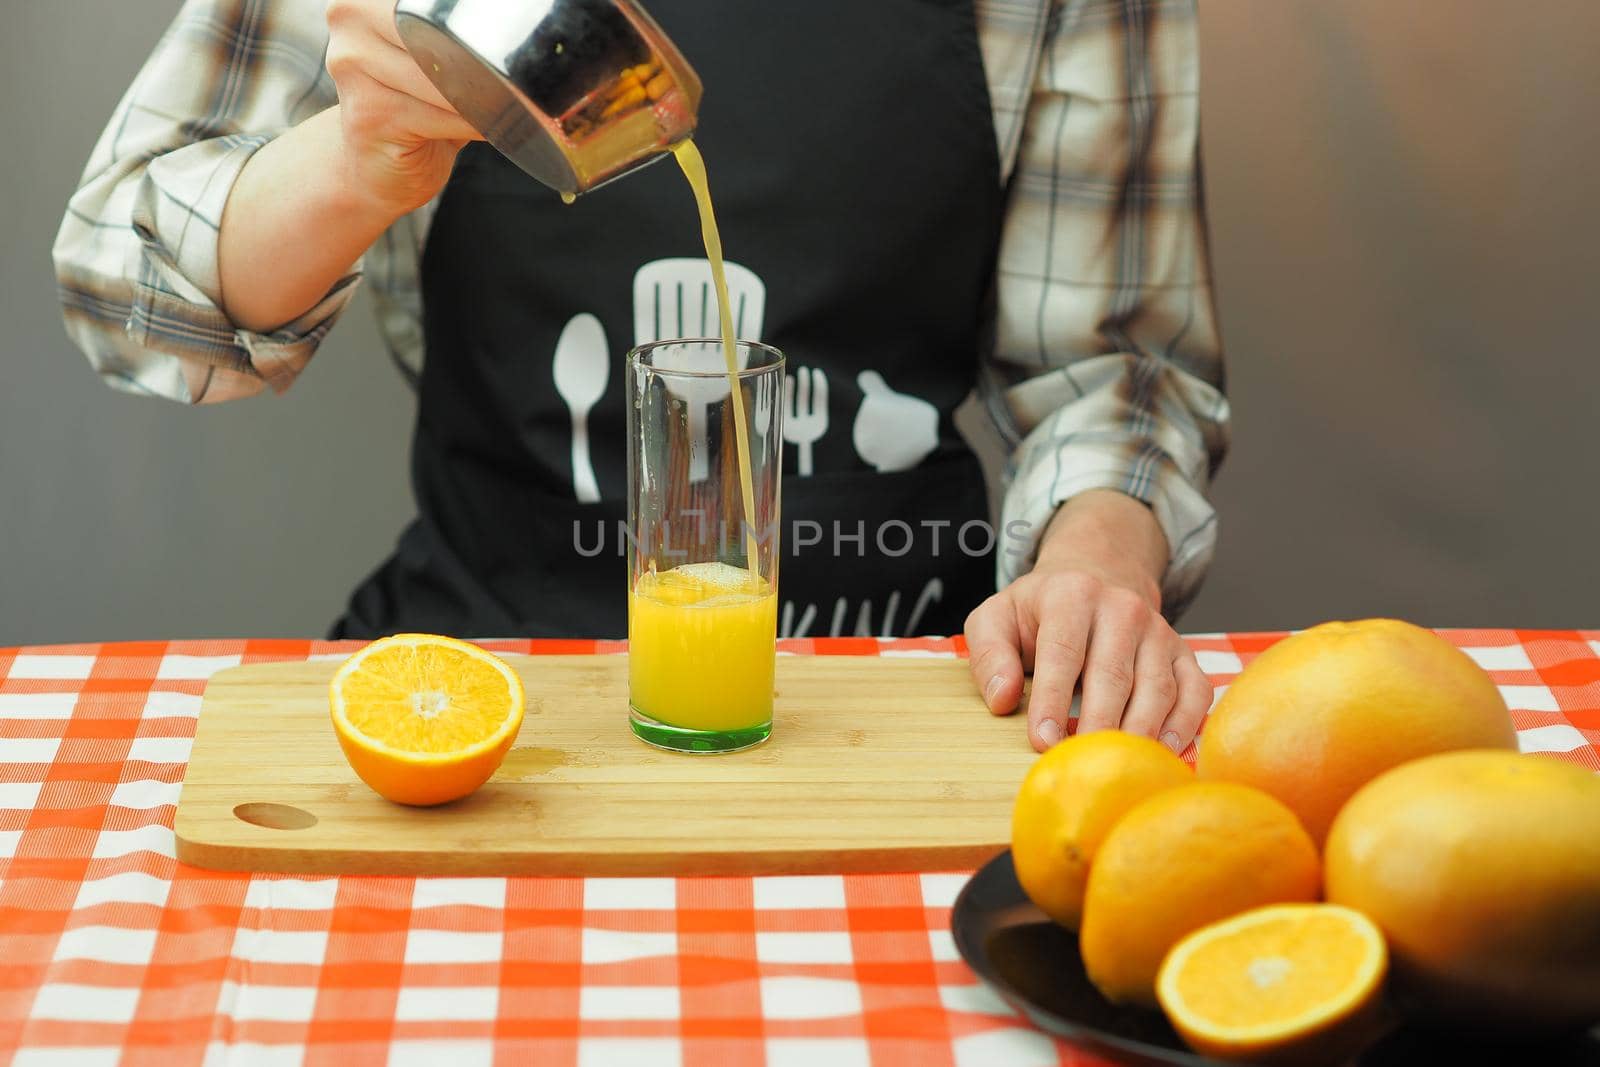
(582, 368)
(675, 298)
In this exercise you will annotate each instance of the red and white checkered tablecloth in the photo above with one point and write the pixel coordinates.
(113, 953)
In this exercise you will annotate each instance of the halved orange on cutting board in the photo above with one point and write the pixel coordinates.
(1287, 983)
(425, 719)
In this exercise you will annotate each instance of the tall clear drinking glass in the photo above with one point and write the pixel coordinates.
(703, 543)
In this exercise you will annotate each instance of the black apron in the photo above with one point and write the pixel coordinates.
(852, 160)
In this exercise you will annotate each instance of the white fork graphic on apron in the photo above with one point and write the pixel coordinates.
(805, 412)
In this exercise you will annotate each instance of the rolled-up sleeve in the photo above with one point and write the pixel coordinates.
(1107, 370)
(136, 255)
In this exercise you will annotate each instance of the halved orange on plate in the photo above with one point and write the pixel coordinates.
(1287, 983)
(425, 719)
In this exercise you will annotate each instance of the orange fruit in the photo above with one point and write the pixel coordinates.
(1287, 983)
(425, 719)
(1319, 714)
(1070, 798)
(1483, 871)
(1183, 859)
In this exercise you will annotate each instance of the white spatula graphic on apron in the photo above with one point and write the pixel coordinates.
(675, 298)
(582, 368)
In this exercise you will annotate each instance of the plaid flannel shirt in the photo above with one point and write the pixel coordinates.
(1106, 369)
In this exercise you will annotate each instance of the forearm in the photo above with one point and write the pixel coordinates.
(1110, 535)
(294, 225)
(1107, 368)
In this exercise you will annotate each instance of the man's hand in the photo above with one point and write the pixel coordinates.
(400, 135)
(1091, 609)
(310, 202)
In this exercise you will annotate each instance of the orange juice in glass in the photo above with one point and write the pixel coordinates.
(705, 452)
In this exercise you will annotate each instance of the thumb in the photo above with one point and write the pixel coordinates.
(872, 384)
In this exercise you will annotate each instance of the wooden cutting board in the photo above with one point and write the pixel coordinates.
(875, 764)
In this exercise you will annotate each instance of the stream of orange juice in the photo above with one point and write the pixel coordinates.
(693, 166)
(702, 637)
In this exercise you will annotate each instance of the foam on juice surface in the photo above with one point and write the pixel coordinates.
(703, 584)
(722, 575)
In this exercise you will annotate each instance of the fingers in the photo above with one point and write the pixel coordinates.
(428, 123)
(1120, 625)
(993, 649)
(381, 12)
(1155, 685)
(371, 17)
(1194, 700)
(363, 43)
(378, 115)
(1135, 671)
(1063, 623)
(394, 67)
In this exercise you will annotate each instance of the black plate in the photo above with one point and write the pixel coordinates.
(1034, 965)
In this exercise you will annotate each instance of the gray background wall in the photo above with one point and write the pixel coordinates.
(1407, 243)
